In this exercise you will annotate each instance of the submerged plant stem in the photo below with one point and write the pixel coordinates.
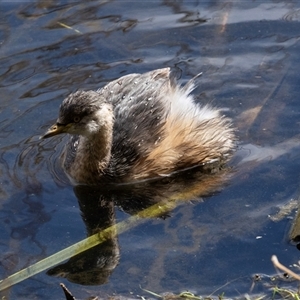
(94, 240)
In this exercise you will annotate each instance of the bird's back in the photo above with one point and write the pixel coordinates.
(140, 112)
(159, 129)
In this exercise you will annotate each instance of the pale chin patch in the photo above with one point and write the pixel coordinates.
(91, 127)
(102, 118)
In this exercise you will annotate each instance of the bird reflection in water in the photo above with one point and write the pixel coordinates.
(98, 204)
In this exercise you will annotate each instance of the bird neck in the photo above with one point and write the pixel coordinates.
(93, 154)
(98, 147)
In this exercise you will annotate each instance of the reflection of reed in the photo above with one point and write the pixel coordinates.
(94, 266)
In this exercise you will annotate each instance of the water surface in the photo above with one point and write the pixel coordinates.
(249, 55)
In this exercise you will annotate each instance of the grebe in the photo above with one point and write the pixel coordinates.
(140, 126)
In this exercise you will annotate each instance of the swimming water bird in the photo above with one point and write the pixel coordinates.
(137, 127)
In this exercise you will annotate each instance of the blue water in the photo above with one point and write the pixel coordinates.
(249, 55)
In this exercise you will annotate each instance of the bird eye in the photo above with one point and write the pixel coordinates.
(76, 119)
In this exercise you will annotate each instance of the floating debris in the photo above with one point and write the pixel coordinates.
(69, 27)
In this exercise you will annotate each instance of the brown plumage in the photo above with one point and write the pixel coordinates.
(140, 126)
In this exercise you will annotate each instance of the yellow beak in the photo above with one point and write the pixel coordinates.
(55, 130)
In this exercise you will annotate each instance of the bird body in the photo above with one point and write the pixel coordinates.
(137, 127)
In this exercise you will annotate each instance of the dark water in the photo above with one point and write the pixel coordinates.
(249, 55)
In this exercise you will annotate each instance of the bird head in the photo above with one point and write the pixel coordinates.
(81, 113)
